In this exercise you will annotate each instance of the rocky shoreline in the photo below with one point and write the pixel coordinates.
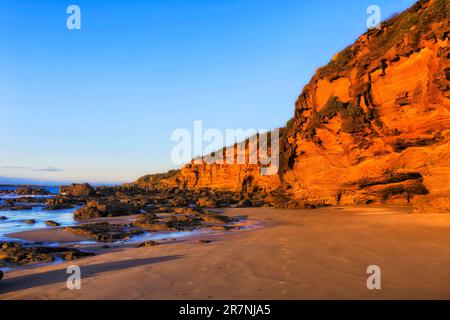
(150, 211)
(13, 254)
(159, 208)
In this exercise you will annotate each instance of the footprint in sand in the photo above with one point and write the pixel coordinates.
(285, 257)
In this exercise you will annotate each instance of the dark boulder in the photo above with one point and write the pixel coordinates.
(182, 222)
(245, 203)
(78, 190)
(105, 208)
(186, 210)
(104, 231)
(74, 254)
(150, 222)
(207, 202)
(31, 191)
(51, 223)
(60, 203)
(147, 244)
(15, 254)
(28, 200)
(211, 217)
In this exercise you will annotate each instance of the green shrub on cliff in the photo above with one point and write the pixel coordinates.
(414, 24)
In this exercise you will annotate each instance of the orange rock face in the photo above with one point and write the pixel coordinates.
(371, 126)
(232, 177)
(227, 174)
(374, 125)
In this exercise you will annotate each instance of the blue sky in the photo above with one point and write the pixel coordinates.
(99, 104)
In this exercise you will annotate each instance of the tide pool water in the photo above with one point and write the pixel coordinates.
(14, 221)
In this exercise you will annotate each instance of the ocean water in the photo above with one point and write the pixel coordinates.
(15, 218)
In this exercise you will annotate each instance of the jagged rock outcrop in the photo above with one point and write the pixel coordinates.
(371, 126)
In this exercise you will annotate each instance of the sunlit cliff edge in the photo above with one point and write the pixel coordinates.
(373, 126)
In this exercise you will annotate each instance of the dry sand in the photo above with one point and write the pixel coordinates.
(295, 254)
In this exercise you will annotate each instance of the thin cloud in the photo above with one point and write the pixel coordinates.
(48, 169)
(34, 169)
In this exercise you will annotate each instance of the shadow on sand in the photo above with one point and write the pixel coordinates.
(60, 275)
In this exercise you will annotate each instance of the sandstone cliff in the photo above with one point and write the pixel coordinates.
(371, 126)
(374, 125)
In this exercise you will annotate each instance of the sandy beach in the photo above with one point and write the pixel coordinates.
(293, 254)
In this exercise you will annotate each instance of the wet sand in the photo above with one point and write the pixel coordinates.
(295, 254)
(47, 235)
